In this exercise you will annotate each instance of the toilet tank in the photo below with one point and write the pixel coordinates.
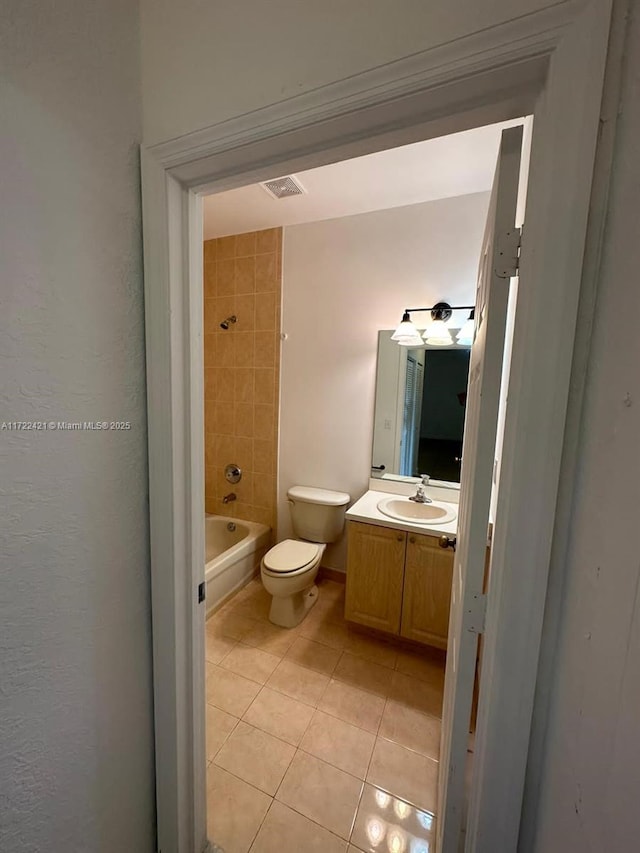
(317, 514)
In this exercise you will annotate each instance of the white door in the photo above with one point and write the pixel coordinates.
(483, 394)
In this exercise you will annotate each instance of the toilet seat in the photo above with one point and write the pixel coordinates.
(290, 556)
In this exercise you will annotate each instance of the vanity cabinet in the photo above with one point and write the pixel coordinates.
(428, 575)
(375, 576)
(399, 582)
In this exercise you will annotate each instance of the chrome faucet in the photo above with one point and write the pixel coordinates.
(228, 498)
(420, 496)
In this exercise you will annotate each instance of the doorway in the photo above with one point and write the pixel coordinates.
(174, 176)
(344, 277)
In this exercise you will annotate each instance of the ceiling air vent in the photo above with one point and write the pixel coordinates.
(283, 187)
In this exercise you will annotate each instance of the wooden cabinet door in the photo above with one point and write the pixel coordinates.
(375, 569)
(427, 591)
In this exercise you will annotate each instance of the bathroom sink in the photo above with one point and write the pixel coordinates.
(416, 513)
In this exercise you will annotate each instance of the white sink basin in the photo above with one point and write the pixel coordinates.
(417, 513)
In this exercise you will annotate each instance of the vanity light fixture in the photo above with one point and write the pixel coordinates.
(465, 335)
(437, 333)
(406, 334)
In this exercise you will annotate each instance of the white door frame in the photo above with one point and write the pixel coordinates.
(551, 62)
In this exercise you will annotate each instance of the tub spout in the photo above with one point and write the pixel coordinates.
(228, 498)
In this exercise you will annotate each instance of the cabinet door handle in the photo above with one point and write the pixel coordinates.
(412, 539)
(448, 542)
(399, 538)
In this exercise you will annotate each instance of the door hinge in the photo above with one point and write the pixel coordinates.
(508, 253)
(202, 592)
(475, 614)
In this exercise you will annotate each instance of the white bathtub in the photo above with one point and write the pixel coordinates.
(233, 550)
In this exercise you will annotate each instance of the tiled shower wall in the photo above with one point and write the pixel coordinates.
(242, 276)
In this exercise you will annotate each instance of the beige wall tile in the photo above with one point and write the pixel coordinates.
(223, 419)
(266, 273)
(210, 251)
(244, 309)
(242, 370)
(209, 351)
(264, 492)
(268, 240)
(243, 420)
(245, 244)
(265, 385)
(226, 247)
(243, 491)
(244, 348)
(245, 275)
(263, 456)
(210, 383)
(225, 385)
(224, 350)
(225, 277)
(265, 349)
(223, 448)
(263, 422)
(243, 455)
(265, 311)
(244, 381)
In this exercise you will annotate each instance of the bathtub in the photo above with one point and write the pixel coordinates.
(232, 556)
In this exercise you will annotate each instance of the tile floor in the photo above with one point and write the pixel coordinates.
(319, 738)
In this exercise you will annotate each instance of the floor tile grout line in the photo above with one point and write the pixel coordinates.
(310, 818)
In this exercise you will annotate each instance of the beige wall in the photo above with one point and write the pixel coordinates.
(242, 276)
(204, 62)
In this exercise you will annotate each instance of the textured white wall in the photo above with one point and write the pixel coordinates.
(203, 62)
(76, 727)
(343, 281)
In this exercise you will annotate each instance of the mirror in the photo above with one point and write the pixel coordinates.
(419, 411)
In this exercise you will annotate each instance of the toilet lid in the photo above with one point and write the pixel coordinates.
(290, 555)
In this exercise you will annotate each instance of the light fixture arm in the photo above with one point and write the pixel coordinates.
(441, 310)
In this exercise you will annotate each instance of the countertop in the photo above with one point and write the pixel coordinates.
(366, 510)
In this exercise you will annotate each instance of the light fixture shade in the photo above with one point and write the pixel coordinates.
(411, 342)
(464, 342)
(465, 335)
(406, 330)
(437, 334)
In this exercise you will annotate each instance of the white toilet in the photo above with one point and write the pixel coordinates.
(289, 569)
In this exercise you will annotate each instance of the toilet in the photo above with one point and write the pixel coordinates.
(289, 569)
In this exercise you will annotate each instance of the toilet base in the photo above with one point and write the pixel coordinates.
(290, 610)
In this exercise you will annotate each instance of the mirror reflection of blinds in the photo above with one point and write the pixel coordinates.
(412, 410)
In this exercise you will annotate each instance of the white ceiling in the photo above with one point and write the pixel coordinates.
(448, 166)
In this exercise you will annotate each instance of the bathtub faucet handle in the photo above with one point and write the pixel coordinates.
(228, 498)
